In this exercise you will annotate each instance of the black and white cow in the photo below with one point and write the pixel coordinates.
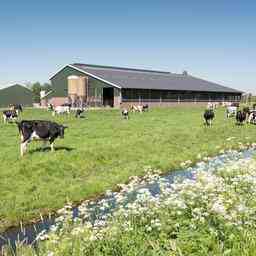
(145, 108)
(252, 117)
(79, 113)
(61, 110)
(240, 117)
(45, 131)
(125, 114)
(10, 115)
(209, 116)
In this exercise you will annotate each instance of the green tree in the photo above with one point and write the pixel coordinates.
(36, 88)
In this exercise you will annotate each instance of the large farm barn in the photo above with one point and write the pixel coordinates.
(109, 86)
(16, 94)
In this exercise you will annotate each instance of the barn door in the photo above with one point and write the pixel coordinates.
(108, 97)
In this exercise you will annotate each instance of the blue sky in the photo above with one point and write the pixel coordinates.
(215, 40)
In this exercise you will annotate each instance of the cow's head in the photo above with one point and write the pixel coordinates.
(61, 130)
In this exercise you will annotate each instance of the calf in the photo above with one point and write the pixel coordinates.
(10, 115)
(240, 117)
(125, 114)
(39, 130)
(209, 116)
(61, 110)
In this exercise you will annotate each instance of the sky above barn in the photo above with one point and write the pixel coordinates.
(214, 40)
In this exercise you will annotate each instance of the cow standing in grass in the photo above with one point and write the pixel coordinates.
(240, 117)
(79, 113)
(61, 110)
(10, 115)
(45, 131)
(208, 117)
(145, 108)
(252, 117)
(125, 114)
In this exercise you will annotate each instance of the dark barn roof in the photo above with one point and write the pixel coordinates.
(150, 79)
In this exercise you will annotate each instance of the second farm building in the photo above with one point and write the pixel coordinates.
(96, 85)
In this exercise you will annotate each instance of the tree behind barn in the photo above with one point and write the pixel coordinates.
(36, 88)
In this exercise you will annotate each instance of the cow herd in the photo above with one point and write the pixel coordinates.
(49, 131)
(241, 115)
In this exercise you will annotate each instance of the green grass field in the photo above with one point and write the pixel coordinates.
(101, 151)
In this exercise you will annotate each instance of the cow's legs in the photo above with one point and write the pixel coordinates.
(52, 146)
(23, 148)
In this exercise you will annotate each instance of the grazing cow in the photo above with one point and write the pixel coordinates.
(240, 117)
(10, 115)
(61, 110)
(231, 111)
(145, 108)
(39, 130)
(209, 116)
(252, 117)
(79, 112)
(125, 114)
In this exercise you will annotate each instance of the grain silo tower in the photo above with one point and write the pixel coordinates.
(82, 89)
(72, 87)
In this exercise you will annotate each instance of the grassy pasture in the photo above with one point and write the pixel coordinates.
(101, 151)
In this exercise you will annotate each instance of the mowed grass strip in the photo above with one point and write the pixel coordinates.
(100, 151)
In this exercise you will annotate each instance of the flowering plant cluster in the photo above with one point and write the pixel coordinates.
(212, 214)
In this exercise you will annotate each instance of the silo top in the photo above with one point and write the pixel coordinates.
(73, 77)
